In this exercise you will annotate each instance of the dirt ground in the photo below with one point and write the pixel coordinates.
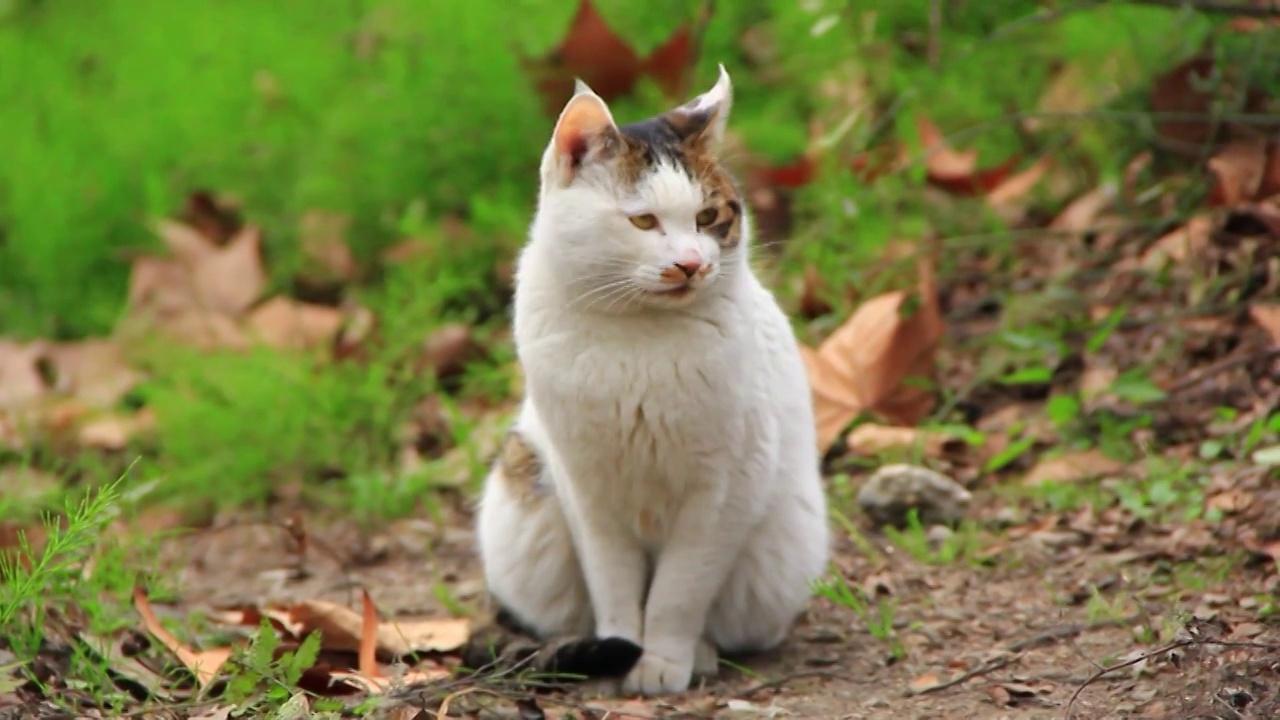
(1015, 636)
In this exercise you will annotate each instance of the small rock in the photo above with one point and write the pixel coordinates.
(889, 495)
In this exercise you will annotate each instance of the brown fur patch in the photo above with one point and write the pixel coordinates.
(520, 466)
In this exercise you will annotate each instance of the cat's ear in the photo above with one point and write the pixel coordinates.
(584, 132)
(703, 119)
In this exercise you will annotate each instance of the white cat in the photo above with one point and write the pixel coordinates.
(661, 484)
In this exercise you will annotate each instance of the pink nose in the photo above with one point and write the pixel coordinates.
(689, 267)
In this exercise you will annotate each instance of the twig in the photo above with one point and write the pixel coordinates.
(983, 669)
(1063, 632)
(779, 682)
(1217, 7)
(1163, 650)
(1222, 366)
(696, 36)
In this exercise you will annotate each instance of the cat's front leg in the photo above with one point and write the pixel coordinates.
(691, 568)
(614, 566)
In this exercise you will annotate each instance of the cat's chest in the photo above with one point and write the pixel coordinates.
(641, 409)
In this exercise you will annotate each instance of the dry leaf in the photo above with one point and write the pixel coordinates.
(94, 371)
(232, 279)
(866, 362)
(1180, 244)
(1079, 215)
(1268, 318)
(21, 383)
(447, 351)
(219, 712)
(113, 431)
(957, 170)
(1016, 186)
(368, 663)
(342, 629)
(835, 403)
(872, 439)
(196, 296)
(288, 324)
(428, 634)
(1238, 169)
(1073, 467)
(924, 682)
(322, 236)
(380, 684)
(203, 663)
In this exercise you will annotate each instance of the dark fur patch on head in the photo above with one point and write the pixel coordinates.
(520, 466)
(680, 138)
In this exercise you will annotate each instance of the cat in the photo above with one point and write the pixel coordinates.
(659, 495)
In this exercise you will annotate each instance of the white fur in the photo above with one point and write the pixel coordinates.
(677, 434)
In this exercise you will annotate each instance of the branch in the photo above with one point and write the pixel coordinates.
(1164, 650)
(1218, 7)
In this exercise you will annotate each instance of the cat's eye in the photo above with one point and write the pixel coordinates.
(706, 217)
(647, 221)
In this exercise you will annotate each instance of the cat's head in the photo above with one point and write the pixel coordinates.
(641, 215)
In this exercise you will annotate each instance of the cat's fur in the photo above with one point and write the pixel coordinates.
(661, 484)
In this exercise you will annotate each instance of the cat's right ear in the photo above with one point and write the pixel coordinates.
(584, 132)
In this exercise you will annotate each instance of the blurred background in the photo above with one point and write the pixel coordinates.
(251, 249)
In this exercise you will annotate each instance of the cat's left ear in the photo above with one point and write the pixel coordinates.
(703, 119)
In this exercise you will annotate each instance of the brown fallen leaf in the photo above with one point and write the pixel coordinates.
(957, 170)
(368, 661)
(196, 295)
(21, 382)
(113, 431)
(342, 628)
(1238, 170)
(1079, 215)
(1185, 96)
(923, 683)
(218, 712)
(203, 663)
(322, 237)
(287, 324)
(95, 371)
(1267, 316)
(1016, 186)
(872, 439)
(835, 403)
(447, 351)
(1073, 467)
(867, 361)
(1180, 244)
(428, 634)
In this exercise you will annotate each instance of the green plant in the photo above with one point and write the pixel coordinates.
(265, 674)
(78, 585)
(916, 540)
(877, 613)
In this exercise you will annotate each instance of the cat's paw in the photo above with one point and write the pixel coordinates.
(706, 660)
(659, 675)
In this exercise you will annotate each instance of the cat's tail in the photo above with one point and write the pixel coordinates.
(502, 646)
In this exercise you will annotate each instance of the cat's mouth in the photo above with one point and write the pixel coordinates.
(679, 291)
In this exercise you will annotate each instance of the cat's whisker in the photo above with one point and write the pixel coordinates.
(607, 289)
(619, 292)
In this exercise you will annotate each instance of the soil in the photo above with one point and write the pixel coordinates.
(1017, 635)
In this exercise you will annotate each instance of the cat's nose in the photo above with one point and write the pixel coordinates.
(689, 267)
